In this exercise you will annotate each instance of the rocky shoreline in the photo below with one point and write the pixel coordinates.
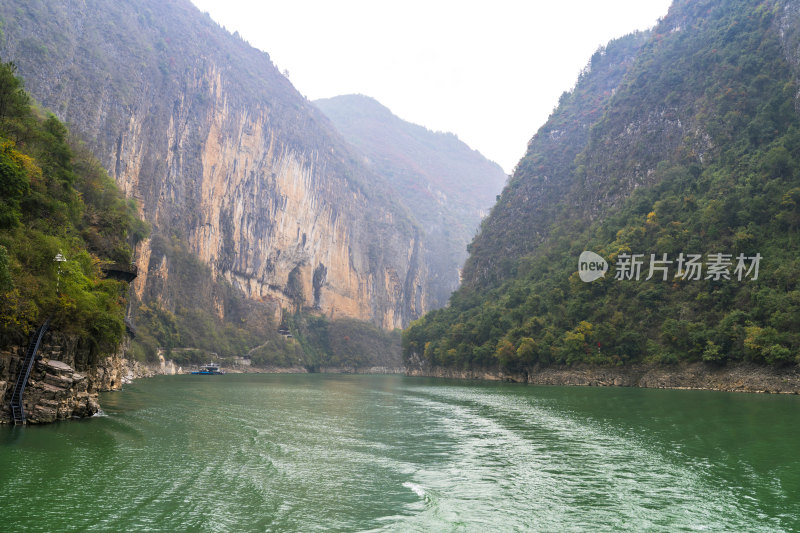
(733, 378)
(64, 384)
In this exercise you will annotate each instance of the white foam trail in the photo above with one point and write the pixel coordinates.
(418, 490)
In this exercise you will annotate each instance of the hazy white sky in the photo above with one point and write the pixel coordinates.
(490, 71)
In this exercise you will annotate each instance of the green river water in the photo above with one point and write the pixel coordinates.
(391, 453)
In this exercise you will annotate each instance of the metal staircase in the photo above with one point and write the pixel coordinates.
(17, 410)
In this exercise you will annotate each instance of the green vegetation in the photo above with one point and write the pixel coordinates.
(344, 343)
(696, 152)
(188, 327)
(188, 316)
(56, 199)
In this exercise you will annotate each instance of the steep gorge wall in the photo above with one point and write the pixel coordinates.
(543, 182)
(645, 102)
(448, 186)
(224, 156)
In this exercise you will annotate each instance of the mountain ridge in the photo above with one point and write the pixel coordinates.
(447, 185)
(689, 151)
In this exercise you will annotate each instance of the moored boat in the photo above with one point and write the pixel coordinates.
(209, 369)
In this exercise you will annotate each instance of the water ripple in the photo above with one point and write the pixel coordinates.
(377, 453)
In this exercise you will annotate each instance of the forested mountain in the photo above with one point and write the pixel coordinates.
(66, 238)
(446, 185)
(677, 151)
(56, 199)
(257, 204)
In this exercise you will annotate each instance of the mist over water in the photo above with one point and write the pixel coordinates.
(389, 453)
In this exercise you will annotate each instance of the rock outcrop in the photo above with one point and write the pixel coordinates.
(65, 380)
(56, 391)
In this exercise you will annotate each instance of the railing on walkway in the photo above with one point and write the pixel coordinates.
(17, 409)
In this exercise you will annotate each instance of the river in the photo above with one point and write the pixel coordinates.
(277, 452)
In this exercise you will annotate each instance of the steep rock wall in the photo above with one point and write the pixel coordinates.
(447, 186)
(223, 155)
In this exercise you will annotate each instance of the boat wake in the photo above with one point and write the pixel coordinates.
(418, 490)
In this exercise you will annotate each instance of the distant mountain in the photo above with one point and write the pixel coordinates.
(447, 185)
(676, 144)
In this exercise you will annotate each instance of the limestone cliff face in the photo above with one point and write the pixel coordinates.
(261, 212)
(223, 155)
